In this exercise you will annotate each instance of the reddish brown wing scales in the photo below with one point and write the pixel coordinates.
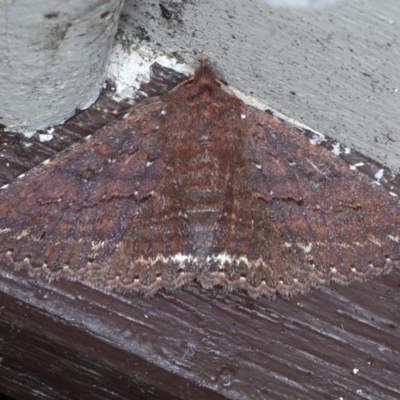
(197, 185)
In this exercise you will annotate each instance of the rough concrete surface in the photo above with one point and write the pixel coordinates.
(334, 69)
(53, 59)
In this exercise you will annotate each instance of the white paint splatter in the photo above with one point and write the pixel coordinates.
(379, 175)
(129, 69)
(45, 137)
(336, 149)
(356, 165)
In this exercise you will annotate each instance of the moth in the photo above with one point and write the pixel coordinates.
(195, 185)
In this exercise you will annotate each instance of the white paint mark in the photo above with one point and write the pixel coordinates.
(336, 149)
(149, 163)
(379, 175)
(45, 137)
(356, 165)
(129, 69)
(318, 137)
(355, 371)
(393, 194)
(243, 116)
(258, 166)
(333, 270)
(391, 237)
(5, 230)
(163, 112)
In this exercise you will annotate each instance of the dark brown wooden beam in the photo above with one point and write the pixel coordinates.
(64, 340)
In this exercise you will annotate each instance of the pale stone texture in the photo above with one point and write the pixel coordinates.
(53, 58)
(334, 69)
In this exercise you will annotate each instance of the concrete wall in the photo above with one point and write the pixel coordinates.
(53, 58)
(334, 69)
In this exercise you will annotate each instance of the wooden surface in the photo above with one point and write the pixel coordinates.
(64, 340)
